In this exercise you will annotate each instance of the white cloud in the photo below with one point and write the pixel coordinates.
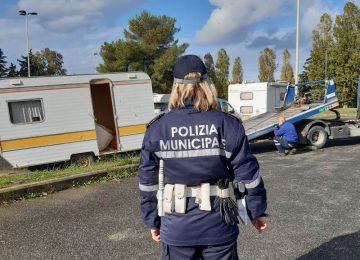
(227, 21)
(12, 38)
(71, 15)
(235, 21)
(232, 20)
(75, 28)
(77, 48)
(81, 59)
(311, 13)
(282, 39)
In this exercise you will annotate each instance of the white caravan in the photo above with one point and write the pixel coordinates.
(251, 99)
(51, 119)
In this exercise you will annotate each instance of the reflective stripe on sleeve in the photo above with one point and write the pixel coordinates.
(254, 183)
(148, 188)
(193, 153)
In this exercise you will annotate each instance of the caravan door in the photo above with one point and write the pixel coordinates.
(134, 104)
(104, 115)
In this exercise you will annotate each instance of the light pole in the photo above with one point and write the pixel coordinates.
(22, 12)
(297, 46)
(95, 54)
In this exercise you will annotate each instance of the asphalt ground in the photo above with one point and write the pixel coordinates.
(313, 201)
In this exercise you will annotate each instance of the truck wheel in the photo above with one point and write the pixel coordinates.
(317, 137)
(83, 160)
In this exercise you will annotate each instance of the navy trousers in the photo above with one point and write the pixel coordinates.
(227, 251)
(282, 144)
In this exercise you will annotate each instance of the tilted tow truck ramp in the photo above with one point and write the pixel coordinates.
(262, 125)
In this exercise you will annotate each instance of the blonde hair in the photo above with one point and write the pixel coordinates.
(203, 94)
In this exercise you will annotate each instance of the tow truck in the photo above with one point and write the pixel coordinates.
(313, 132)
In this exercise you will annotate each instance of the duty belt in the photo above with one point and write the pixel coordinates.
(174, 196)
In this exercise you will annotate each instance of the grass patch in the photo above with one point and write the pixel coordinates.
(113, 174)
(116, 173)
(57, 171)
(344, 112)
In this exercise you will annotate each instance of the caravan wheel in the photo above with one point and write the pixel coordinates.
(317, 137)
(83, 160)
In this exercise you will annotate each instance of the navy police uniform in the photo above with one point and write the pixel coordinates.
(197, 147)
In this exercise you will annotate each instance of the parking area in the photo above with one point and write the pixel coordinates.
(314, 203)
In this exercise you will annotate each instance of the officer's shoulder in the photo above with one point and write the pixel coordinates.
(155, 119)
(232, 117)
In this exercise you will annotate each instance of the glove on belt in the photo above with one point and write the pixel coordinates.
(228, 207)
(239, 190)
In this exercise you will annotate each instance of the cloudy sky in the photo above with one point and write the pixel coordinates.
(77, 28)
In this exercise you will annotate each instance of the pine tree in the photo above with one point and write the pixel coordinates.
(287, 73)
(237, 71)
(149, 45)
(210, 67)
(346, 57)
(304, 77)
(3, 69)
(43, 63)
(335, 52)
(36, 67)
(12, 71)
(222, 73)
(321, 54)
(267, 65)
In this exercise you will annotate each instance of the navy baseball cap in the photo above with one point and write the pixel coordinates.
(187, 64)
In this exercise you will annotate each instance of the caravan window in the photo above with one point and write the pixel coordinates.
(26, 111)
(246, 109)
(246, 96)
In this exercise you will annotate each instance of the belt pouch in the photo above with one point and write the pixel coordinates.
(205, 197)
(168, 204)
(180, 198)
(242, 210)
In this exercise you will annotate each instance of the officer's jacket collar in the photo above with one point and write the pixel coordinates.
(189, 103)
(189, 107)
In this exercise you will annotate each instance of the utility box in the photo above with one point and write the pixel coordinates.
(339, 132)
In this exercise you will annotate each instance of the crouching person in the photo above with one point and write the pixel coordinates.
(286, 137)
(197, 176)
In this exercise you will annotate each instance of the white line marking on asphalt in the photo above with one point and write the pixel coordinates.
(128, 233)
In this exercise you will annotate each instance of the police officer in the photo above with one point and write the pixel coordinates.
(286, 137)
(195, 162)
